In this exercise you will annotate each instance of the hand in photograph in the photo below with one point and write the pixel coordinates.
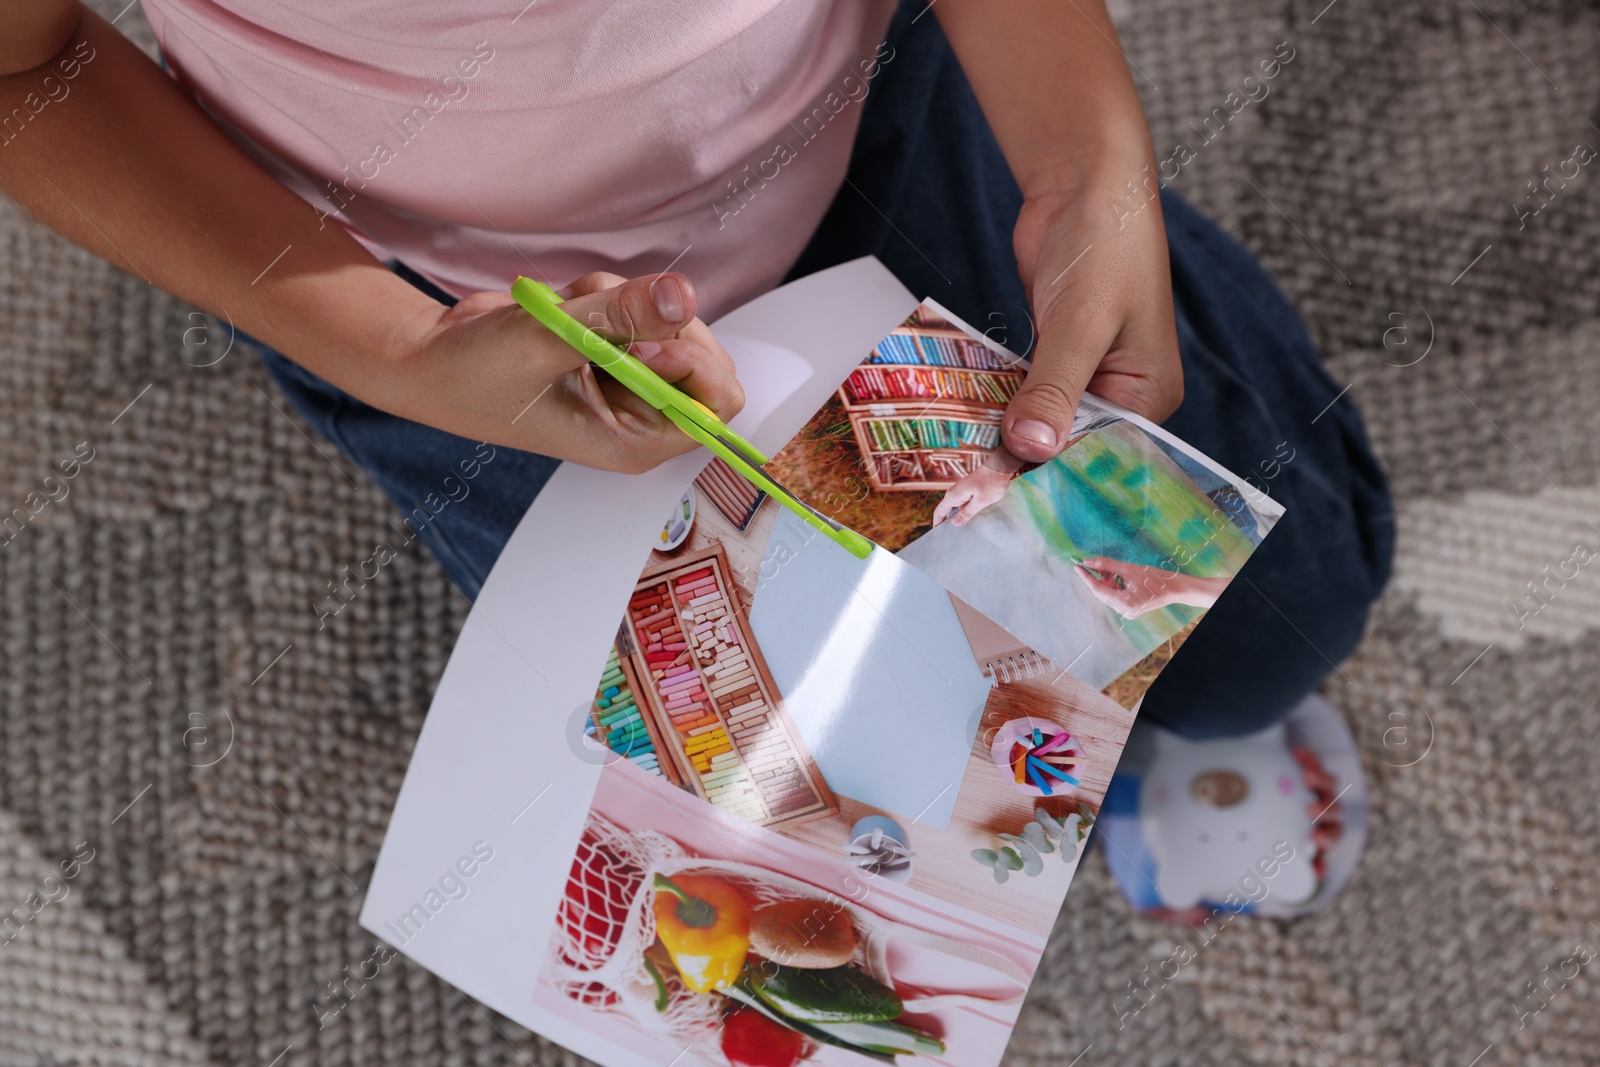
(971, 495)
(1133, 589)
(976, 491)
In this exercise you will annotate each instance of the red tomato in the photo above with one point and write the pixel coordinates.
(750, 1039)
(599, 887)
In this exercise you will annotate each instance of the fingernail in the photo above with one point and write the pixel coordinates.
(1040, 433)
(668, 297)
(646, 350)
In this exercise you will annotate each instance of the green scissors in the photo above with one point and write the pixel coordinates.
(687, 413)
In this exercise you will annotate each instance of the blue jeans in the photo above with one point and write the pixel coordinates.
(931, 196)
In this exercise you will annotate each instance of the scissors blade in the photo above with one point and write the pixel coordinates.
(751, 465)
(781, 489)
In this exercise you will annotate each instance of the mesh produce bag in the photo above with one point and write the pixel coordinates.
(605, 924)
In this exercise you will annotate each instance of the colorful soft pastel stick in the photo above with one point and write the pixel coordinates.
(1054, 743)
(1034, 761)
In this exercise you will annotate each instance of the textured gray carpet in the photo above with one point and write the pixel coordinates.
(139, 614)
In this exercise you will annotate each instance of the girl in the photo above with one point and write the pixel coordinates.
(355, 184)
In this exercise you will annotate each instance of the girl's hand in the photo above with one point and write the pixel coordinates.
(1094, 258)
(192, 214)
(487, 370)
(1132, 589)
(1091, 248)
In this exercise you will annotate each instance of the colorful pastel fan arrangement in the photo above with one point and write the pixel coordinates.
(1041, 756)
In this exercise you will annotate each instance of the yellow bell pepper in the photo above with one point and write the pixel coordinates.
(705, 925)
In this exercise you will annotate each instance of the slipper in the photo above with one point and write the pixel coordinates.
(1272, 824)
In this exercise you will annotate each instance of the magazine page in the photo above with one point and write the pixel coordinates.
(827, 808)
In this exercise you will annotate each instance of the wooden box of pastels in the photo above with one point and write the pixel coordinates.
(687, 695)
(926, 406)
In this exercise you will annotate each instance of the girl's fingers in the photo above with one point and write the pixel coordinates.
(654, 317)
(638, 309)
(701, 334)
(703, 374)
(595, 282)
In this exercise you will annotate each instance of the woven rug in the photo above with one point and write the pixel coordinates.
(215, 773)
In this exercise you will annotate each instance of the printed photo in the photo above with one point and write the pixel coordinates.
(920, 414)
(1128, 535)
(856, 932)
(701, 940)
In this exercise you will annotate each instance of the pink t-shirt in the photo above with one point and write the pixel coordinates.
(477, 142)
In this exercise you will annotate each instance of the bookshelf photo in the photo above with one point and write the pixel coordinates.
(925, 407)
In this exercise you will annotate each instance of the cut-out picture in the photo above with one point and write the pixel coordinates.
(1102, 559)
(920, 414)
(1128, 540)
(764, 670)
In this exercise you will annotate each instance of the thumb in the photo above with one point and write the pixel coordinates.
(1039, 418)
(640, 309)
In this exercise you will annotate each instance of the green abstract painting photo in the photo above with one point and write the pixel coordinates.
(1133, 539)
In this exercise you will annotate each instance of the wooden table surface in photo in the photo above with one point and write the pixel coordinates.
(744, 550)
(989, 803)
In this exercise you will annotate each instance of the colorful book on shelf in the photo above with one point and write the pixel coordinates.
(906, 382)
(925, 393)
(938, 351)
(902, 434)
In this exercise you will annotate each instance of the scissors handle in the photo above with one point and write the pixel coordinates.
(539, 300)
(845, 537)
(685, 412)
